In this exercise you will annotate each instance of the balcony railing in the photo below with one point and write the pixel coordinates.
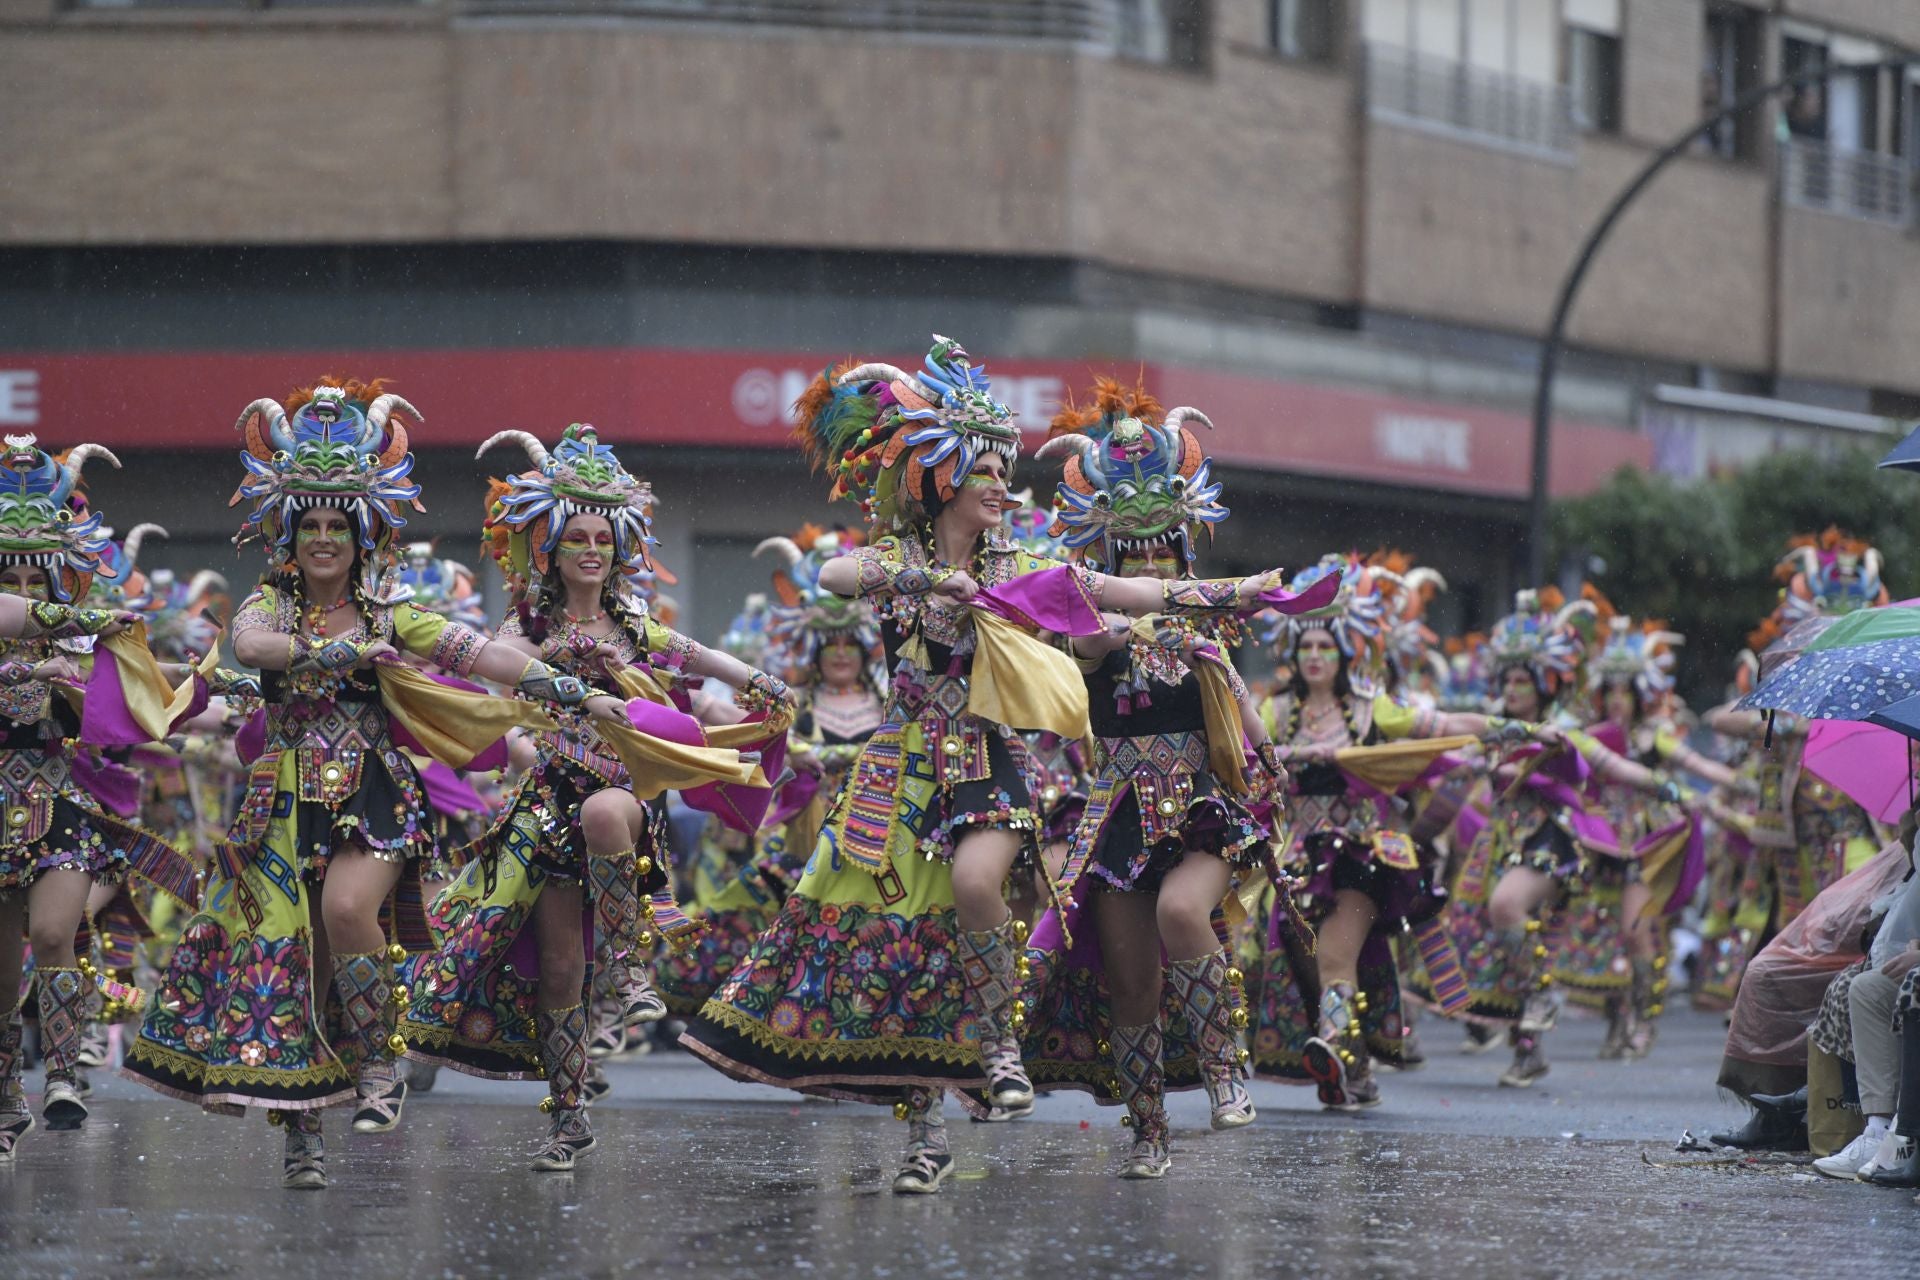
(1431, 92)
(1857, 184)
(1111, 24)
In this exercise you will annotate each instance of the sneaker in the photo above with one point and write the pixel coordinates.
(1227, 1094)
(1851, 1159)
(1007, 1083)
(1324, 1068)
(1479, 1039)
(94, 1048)
(639, 1002)
(380, 1105)
(594, 1085)
(304, 1167)
(997, 1114)
(568, 1138)
(923, 1172)
(1895, 1164)
(14, 1125)
(61, 1107)
(1149, 1158)
(1529, 1064)
(608, 1039)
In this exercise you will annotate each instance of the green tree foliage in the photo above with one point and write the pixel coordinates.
(1701, 556)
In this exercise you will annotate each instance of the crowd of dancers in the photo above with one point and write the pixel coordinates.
(981, 803)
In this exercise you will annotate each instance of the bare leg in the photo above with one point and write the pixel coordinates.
(563, 961)
(1342, 934)
(981, 861)
(1130, 953)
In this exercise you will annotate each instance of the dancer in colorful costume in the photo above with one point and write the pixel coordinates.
(57, 842)
(504, 993)
(1529, 862)
(1175, 812)
(891, 968)
(828, 650)
(1361, 876)
(334, 820)
(1615, 949)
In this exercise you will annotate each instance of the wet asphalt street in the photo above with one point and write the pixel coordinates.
(1452, 1177)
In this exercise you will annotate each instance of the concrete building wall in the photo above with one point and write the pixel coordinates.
(1895, 20)
(1850, 305)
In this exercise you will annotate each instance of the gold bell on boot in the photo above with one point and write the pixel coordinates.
(1238, 1019)
(1235, 978)
(396, 953)
(546, 1105)
(901, 1111)
(644, 865)
(1017, 1014)
(396, 1043)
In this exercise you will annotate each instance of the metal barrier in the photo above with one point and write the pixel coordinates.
(1857, 184)
(1427, 91)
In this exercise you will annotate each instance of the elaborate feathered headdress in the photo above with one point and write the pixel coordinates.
(441, 586)
(1135, 476)
(119, 582)
(177, 612)
(1408, 589)
(1030, 528)
(804, 616)
(1541, 635)
(746, 636)
(336, 444)
(1642, 656)
(526, 513)
(1833, 574)
(42, 523)
(882, 433)
(1357, 619)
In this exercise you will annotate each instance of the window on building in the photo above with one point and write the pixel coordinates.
(1730, 66)
(1168, 31)
(1304, 29)
(1593, 79)
(1804, 111)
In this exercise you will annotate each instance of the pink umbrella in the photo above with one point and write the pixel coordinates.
(1865, 761)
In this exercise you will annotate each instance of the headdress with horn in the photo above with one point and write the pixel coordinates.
(1409, 589)
(119, 582)
(805, 618)
(1642, 656)
(44, 522)
(177, 612)
(441, 586)
(338, 444)
(1831, 574)
(1135, 479)
(1030, 528)
(885, 435)
(527, 512)
(1542, 634)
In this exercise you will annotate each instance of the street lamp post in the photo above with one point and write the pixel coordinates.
(1570, 288)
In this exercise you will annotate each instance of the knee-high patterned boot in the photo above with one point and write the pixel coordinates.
(1649, 985)
(563, 1051)
(304, 1166)
(15, 1119)
(63, 998)
(1137, 1064)
(370, 1000)
(618, 916)
(1526, 957)
(1209, 989)
(1337, 1057)
(987, 962)
(927, 1161)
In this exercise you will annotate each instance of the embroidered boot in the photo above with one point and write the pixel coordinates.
(563, 1052)
(1337, 1057)
(639, 1002)
(1618, 1026)
(15, 1119)
(304, 1166)
(1136, 1064)
(1529, 1060)
(927, 1161)
(1648, 987)
(370, 1000)
(63, 995)
(1209, 989)
(992, 976)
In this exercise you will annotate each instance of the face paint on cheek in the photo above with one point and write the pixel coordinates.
(579, 544)
(317, 537)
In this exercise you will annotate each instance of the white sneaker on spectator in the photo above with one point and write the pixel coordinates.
(1847, 1162)
(1893, 1150)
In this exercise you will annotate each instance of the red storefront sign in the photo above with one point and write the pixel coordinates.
(736, 399)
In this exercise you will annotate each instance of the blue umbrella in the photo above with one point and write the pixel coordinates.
(1901, 717)
(1906, 454)
(1842, 684)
